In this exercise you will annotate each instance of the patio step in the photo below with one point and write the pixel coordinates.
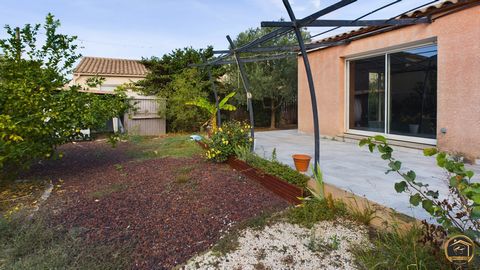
(353, 138)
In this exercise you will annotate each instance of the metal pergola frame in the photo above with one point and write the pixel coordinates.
(295, 25)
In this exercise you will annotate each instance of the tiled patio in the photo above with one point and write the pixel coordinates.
(354, 169)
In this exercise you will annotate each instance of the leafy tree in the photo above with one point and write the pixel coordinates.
(171, 77)
(185, 86)
(211, 107)
(37, 111)
(273, 82)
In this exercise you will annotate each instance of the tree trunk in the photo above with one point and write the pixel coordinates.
(272, 114)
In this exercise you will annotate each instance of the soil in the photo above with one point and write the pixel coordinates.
(167, 209)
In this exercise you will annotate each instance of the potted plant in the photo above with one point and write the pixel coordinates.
(301, 162)
(413, 122)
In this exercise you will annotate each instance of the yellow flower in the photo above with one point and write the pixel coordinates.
(250, 139)
(220, 129)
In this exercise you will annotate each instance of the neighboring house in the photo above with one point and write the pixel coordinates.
(418, 85)
(145, 120)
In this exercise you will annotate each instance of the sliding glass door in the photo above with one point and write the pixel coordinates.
(367, 92)
(402, 103)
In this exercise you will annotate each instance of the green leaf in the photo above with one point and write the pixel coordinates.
(400, 186)
(453, 181)
(395, 165)
(433, 194)
(428, 152)
(415, 199)
(380, 138)
(428, 206)
(225, 100)
(469, 174)
(363, 142)
(475, 214)
(475, 198)
(371, 147)
(381, 149)
(410, 176)
(441, 159)
(386, 156)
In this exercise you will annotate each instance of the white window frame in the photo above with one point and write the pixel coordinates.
(384, 52)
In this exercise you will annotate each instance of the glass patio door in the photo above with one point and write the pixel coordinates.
(403, 103)
(413, 92)
(367, 94)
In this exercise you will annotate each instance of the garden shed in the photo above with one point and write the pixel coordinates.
(146, 119)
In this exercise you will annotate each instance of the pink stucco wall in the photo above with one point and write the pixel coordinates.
(458, 89)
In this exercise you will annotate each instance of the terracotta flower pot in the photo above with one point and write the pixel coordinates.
(301, 162)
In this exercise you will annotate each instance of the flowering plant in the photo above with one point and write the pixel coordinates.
(229, 136)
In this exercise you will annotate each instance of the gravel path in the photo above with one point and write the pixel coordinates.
(288, 246)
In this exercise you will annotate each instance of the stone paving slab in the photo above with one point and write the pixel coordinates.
(355, 169)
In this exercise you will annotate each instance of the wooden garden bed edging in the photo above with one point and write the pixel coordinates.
(285, 190)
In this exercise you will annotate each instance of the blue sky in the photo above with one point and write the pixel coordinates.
(142, 28)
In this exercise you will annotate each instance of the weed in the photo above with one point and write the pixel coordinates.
(334, 242)
(261, 254)
(364, 214)
(319, 245)
(118, 167)
(228, 243)
(182, 178)
(313, 211)
(398, 250)
(274, 155)
(34, 245)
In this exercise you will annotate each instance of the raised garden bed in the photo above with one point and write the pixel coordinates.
(287, 191)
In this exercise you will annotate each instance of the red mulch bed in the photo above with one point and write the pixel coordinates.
(166, 218)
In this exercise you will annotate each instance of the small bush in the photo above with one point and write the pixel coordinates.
(223, 142)
(313, 211)
(398, 250)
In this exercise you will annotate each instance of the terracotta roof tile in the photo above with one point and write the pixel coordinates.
(441, 7)
(110, 66)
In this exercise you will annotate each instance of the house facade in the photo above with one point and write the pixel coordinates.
(418, 85)
(145, 120)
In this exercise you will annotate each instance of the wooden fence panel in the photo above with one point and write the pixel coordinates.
(146, 119)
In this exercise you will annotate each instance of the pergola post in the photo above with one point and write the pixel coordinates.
(311, 86)
(246, 87)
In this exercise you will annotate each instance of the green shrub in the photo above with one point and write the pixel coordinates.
(398, 250)
(313, 211)
(38, 112)
(277, 169)
(226, 139)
